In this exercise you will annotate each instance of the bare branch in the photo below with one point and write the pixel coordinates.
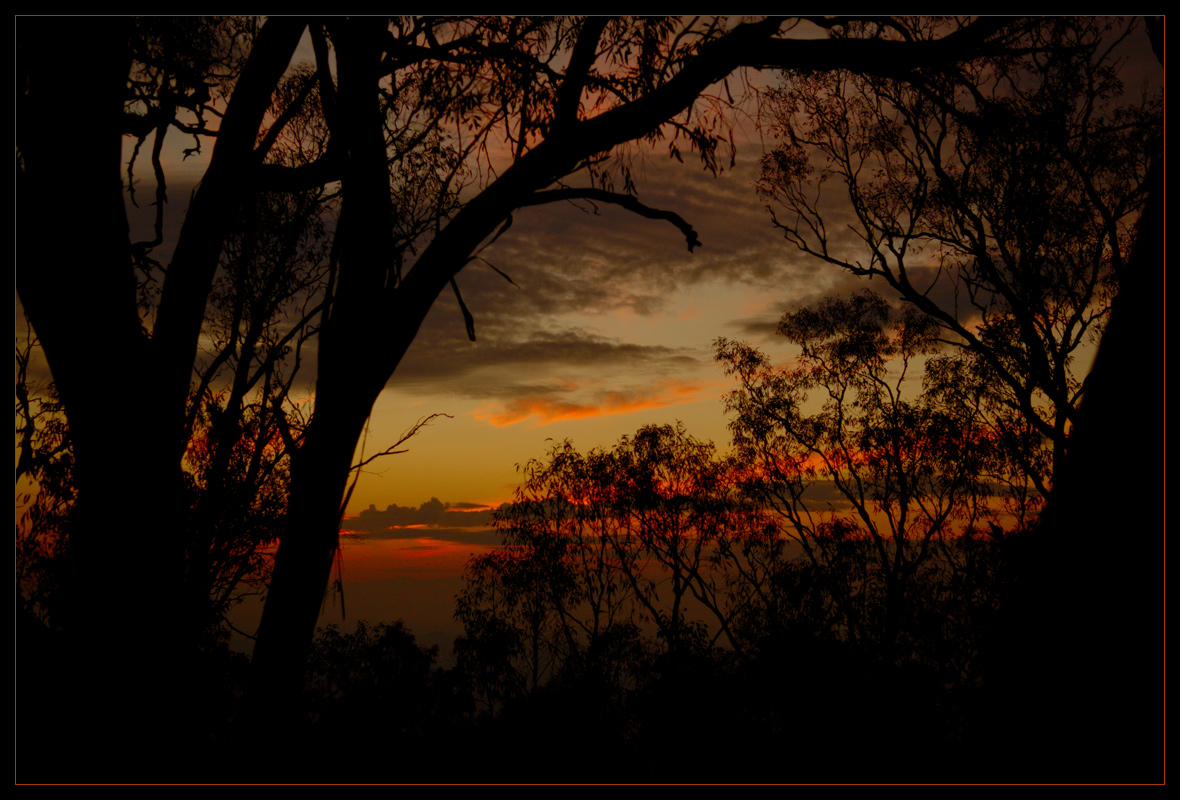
(627, 201)
(405, 437)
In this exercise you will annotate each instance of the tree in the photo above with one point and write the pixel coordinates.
(236, 477)
(603, 619)
(403, 106)
(43, 526)
(999, 200)
(651, 533)
(882, 487)
(1033, 191)
(640, 591)
(239, 416)
(678, 523)
(376, 673)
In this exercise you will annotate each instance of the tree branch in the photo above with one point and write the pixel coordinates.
(272, 135)
(627, 201)
(879, 56)
(569, 93)
(405, 437)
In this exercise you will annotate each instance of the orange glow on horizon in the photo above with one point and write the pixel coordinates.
(381, 559)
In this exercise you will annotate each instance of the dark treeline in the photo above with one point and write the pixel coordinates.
(815, 606)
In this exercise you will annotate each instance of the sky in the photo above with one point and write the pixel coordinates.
(608, 326)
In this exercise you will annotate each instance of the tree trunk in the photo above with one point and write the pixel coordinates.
(351, 373)
(1079, 675)
(131, 690)
(78, 290)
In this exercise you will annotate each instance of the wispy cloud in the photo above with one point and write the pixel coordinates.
(544, 409)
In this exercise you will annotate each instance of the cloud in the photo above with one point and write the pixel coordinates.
(576, 267)
(431, 519)
(569, 259)
(549, 408)
(583, 257)
(523, 362)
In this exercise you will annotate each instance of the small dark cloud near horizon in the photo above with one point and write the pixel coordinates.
(466, 506)
(441, 520)
(449, 522)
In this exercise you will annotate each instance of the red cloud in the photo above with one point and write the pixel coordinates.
(546, 409)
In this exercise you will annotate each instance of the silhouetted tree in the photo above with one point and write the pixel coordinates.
(1000, 200)
(125, 411)
(556, 524)
(677, 516)
(640, 594)
(376, 680)
(1019, 206)
(877, 483)
(560, 117)
(45, 482)
(239, 420)
(651, 533)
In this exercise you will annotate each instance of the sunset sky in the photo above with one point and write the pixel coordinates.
(609, 328)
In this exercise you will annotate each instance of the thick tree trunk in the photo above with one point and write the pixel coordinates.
(76, 284)
(304, 560)
(350, 376)
(1079, 677)
(133, 624)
